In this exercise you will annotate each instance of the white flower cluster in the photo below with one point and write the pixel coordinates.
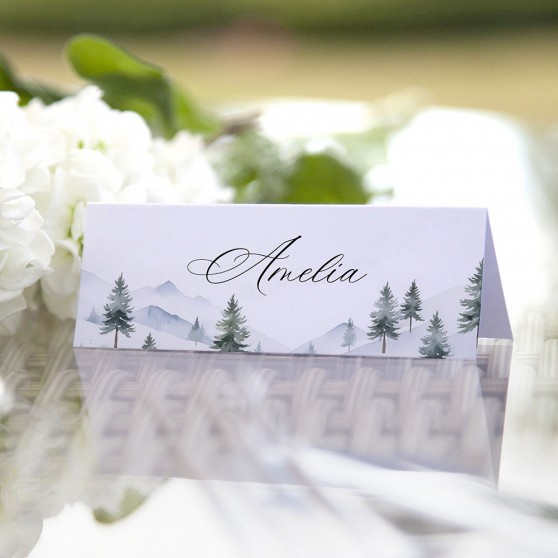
(53, 161)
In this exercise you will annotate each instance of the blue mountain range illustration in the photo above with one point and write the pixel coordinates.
(331, 341)
(169, 314)
(167, 289)
(159, 319)
(167, 310)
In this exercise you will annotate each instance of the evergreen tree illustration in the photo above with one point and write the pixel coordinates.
(412, 305)
(311, 349)
(258, 348)
(349, 337)
(118, 314)
(233, 331)
(194, 331)
(94, 317)
(435, 343)
(149, 344)
(197, 333)
(470, 318)
(384, 318)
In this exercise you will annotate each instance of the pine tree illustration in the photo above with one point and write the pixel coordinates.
(197, 333)
(385, 318)
(412, 305)
(94, 317)
(149, 344)
(311, 349)
(435, 343)
(470, 318)
(258, 348)
(118, 314)
(233, 332)
(349, 337)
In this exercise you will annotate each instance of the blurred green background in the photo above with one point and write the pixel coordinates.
(308, 15)
(494, 54)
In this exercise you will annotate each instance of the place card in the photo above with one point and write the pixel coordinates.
(296, 279)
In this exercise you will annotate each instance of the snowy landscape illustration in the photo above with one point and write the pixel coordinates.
(324, 280)
(110, 315)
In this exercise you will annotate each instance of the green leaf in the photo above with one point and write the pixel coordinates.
(131, 501)
(132, 84)
(26, 90)
(322, 178)
(253, 165)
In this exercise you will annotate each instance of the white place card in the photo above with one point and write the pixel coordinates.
(304, 279)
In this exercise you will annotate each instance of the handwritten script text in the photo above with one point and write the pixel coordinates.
(235, 262)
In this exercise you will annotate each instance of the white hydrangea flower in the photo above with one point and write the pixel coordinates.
(105, 158)
(25, 249)
(13, 173)
(54, 160)
(87, 122)
(183, 163)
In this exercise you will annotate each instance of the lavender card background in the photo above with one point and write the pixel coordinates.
(152, 246)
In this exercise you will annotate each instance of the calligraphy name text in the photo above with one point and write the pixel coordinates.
(235, 262)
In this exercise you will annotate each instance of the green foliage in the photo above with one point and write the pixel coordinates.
(131, 501)
(252, 164)
(322, 178)
(255, 167)
(258, 168)
(132, 84)
(26, 90)
(312, 15)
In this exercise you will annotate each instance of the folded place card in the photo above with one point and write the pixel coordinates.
(334, 280)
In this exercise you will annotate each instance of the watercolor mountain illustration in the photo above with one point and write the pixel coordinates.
(407, 343)
(410, 341)
(180, 322)
(164, 311)
(331, 341)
